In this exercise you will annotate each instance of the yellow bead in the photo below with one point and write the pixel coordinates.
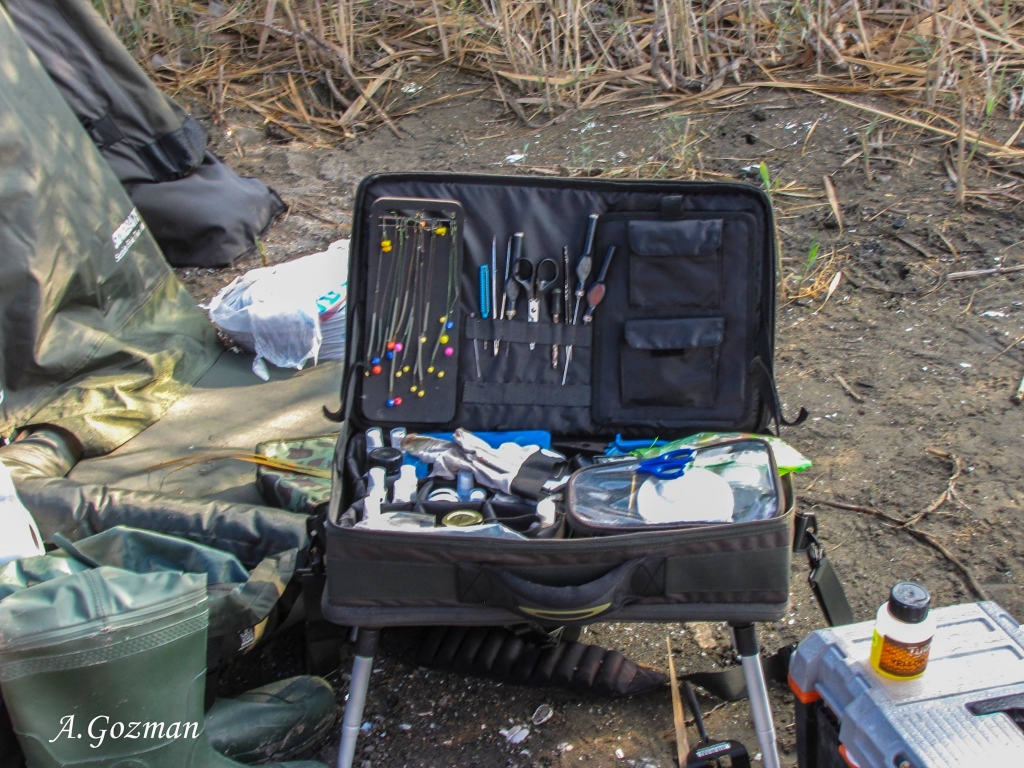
(398, 374)
(440, 374)
(430, 369)
(420, 393)
(444, 338)
(443, 319)
(413, 388)
(441, 231)
(423, 339)
(385, 245)
(406, 368)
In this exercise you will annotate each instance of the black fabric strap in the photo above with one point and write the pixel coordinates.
(176, 154)
(573, 395)
(535, 471)
(766, 383)
(103, 131)
(730, 684)
(520, 331)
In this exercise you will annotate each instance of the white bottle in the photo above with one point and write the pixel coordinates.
(376, 493)
(904, 628)
(405, 485)
(374, 438)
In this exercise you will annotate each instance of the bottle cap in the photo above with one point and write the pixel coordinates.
(909, 602)
(389, 458)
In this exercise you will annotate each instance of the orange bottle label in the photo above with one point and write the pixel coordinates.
(898, 659)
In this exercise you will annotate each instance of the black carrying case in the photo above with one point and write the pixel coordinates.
(682, 343)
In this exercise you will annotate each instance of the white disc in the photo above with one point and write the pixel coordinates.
(699, 496)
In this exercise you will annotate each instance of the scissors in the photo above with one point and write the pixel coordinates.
(536, 282)
(668, 465)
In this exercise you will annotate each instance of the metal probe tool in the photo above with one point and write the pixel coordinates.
(583, 267)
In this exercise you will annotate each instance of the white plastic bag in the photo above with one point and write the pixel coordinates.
(19, 536)
(288, 313)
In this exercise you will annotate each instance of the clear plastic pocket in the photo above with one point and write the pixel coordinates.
(734, 481)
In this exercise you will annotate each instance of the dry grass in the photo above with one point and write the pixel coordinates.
(321, 70)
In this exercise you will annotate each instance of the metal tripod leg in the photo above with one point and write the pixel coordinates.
(362, 665)
(745, 639)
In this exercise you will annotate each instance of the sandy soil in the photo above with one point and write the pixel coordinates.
(928, 364)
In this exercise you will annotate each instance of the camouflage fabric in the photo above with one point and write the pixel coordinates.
(291, 490)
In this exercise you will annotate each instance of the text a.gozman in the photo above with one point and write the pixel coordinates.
(100, 728)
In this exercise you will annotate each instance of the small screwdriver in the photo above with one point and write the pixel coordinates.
(511, 285)
(596, 293)
(556, 315)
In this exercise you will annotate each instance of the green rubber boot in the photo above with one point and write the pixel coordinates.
(107, 668)
(277, 721)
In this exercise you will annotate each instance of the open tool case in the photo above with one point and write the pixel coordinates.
(682, 342)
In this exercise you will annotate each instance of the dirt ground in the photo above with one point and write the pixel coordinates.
(907, 377)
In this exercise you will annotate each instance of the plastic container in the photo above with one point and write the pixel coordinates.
(963, 712)
(904, 628)
(734, 481)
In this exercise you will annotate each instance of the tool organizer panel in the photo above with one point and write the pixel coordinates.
(595, 312)
(676, 334)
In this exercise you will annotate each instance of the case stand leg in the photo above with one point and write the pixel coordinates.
(745, 639)
(362, 665)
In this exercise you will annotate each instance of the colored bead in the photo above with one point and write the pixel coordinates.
(389, 355)
(423, 339)
(398, 346)
(449, 325)
(412, 388)
(398, 374)
(405, 368)
(375, 361)
(390, 345)
(430, 369)
(398, 401)
(390, 403)
(440, 374)
(385, 245)
(443, 319)
(448, 351)
(444, 338)
(376, 370)
(421, 393)
(441, 231)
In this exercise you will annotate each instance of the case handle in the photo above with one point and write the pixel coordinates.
(580, 604)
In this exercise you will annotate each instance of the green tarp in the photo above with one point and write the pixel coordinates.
(96, 333)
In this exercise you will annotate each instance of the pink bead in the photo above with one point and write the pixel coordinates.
(398, 346)
(448, 351)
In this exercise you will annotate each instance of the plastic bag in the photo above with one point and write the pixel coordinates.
(289, 313)
(19, 536)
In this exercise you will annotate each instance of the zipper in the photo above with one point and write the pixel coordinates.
(597, 544)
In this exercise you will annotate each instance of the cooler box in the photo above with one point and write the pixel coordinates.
(967, 709)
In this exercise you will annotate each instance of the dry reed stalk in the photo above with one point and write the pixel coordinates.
(322, 70)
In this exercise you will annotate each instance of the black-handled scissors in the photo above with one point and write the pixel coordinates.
(536, 281)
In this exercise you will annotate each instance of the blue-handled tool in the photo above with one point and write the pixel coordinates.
(485, 292)
(667, 465)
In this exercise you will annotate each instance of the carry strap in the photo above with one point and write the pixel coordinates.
(730, 684)
(770, 394)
